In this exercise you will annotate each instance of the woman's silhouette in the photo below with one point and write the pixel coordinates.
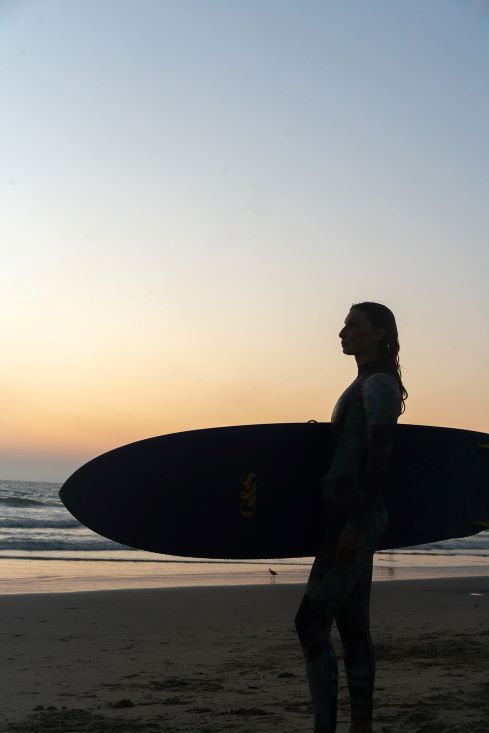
(363, 423)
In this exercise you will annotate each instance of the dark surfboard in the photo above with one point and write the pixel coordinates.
(253, 491)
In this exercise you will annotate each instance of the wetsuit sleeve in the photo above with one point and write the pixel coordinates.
(382, 404)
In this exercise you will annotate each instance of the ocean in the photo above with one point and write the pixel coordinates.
(43, 548)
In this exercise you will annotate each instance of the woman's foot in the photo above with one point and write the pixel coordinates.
(361, 726)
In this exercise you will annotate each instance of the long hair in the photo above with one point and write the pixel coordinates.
(382, 317)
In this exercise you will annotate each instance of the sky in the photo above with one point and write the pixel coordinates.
(193, 193)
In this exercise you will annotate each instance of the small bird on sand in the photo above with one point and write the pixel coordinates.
(272, 572)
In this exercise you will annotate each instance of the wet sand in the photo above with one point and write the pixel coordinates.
(209, 659)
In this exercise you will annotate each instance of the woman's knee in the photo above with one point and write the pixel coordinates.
(303, 615)
(310, 615)
(311, 629)
(313, 613)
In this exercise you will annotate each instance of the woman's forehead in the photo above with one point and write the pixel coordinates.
(356, 315)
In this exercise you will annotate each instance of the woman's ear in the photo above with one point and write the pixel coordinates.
(379, 334)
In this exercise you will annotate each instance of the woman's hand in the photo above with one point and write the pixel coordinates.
(347, 545)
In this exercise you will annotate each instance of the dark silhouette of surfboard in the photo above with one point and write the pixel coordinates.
(253, 491)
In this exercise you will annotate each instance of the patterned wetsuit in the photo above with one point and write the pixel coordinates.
(364, 421)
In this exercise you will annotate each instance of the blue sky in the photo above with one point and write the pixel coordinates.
(193, 194)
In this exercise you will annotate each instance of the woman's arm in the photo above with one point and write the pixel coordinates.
(382, 404)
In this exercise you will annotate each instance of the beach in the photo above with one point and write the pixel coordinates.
(207, 659)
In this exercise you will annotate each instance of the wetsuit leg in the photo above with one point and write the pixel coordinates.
(328, 589)
(353, 623)
(313, 623)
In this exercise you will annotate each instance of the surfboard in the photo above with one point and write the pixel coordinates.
(253, 491)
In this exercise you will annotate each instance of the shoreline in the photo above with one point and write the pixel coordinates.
(481, 578)
(180, 660)
(28, 576)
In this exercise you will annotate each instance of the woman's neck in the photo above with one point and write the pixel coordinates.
(374, 365)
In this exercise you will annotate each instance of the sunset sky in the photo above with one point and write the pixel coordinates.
(194, 192)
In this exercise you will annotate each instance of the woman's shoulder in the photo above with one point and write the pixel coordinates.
(381, 394)
(385, 380)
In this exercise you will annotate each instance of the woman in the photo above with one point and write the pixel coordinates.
(363, 424)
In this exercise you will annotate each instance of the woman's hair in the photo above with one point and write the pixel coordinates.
(382, 317)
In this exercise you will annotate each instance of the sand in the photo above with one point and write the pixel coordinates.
(228, 659)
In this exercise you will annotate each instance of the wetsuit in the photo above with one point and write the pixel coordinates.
(363, 423)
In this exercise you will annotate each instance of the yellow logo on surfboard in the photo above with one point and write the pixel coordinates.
(248, 494)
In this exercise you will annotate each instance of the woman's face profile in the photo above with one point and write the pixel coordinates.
(358, 336)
